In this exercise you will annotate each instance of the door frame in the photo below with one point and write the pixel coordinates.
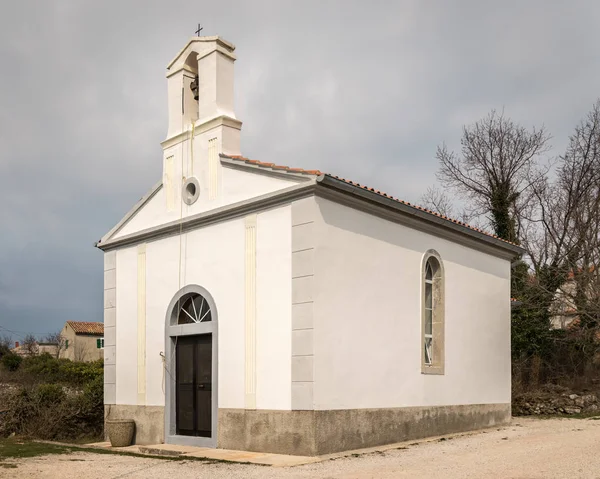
(172, 332)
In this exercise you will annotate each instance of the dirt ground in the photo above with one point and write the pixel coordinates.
(529, 448)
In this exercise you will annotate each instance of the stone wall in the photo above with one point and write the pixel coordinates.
(555, 401)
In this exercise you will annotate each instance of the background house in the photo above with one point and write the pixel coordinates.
(580, 290)
(83, 341)
(35, 349)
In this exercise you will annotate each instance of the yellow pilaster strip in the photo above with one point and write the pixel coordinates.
(168, 182)
(141, 324)
(250, 313)
(213, 169)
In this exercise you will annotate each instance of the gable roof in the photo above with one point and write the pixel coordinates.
(318, 173)
(82, 327)
(313, 182)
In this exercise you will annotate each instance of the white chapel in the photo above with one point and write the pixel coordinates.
(259, 307)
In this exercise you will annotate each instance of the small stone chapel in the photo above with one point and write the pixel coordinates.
(259, 307)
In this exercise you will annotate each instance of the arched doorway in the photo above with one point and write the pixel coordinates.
(191, 369)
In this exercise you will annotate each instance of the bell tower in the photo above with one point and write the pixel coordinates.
(202, 121)
(200, 83)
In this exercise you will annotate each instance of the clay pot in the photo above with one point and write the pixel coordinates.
(120, 431)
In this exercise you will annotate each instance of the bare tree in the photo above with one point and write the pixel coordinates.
(562, 229)
(441, 203)
(438, 201)
(58, 340)
(30, 345)
(5, 344)
(556, 218)
(498, 163)
(80, 351)
(6, 341)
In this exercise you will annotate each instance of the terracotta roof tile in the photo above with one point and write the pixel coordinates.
(358, 185)
(420, 208)
(81, 327)
(273, 166)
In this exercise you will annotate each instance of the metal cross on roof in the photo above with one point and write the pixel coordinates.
(199, 30)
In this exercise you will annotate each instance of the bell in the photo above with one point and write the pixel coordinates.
(194, 87)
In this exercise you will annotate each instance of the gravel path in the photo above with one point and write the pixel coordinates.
(529, 448)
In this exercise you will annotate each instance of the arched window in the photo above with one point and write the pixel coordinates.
(432, 328)
(193, 308)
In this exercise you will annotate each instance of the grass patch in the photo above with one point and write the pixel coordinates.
(15, 448)
(18, 449)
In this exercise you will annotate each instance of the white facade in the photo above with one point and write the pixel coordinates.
(316, 286)
(213, 258)
(367, 317)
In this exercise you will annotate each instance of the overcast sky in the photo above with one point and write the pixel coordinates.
(364, 90)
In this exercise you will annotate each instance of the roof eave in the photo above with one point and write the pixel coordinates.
(508, 249)
(130, 214)
(228, 47)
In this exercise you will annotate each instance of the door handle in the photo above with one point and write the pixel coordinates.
(200, 386)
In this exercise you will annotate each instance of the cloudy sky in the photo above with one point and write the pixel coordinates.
(365, 90)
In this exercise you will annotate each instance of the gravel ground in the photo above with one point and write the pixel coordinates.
(529, 448)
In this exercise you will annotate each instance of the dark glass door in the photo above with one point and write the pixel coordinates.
(194, 385)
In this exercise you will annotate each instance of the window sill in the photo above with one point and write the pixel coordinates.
(426, 369)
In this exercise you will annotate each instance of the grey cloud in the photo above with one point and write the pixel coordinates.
(366, 90)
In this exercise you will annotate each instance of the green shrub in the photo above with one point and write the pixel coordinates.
(43, 365)
(49, 369)
(93, 392)
(47, 412)
(80, 373)
(90, 407)
(4, 350)
(49, 394)
(11, 361)
(56, 399)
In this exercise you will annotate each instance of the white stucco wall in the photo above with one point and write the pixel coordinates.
(212, 257)
(274, 309)
(234, 186)
(368, 321)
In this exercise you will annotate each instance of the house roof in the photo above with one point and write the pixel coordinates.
(318, 173)
(81, 327)
(571, 273)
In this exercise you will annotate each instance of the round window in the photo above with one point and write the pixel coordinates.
(191, 190)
